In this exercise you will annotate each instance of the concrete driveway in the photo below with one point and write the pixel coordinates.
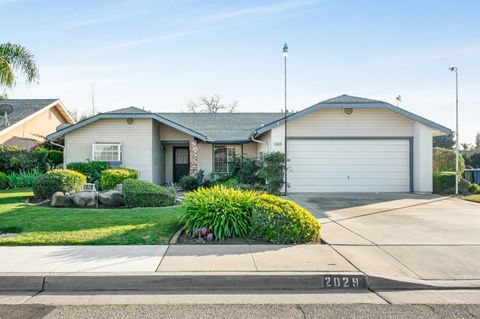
(401, 235)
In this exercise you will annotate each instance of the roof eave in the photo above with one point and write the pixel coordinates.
(97, 117)
(372, 105)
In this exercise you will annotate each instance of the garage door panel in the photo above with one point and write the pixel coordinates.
(349, 165)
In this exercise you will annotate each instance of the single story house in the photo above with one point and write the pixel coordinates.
(26, 122)
(344, 144)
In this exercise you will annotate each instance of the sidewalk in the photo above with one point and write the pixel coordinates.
(236, 267)
(184, 267)
(174, 258)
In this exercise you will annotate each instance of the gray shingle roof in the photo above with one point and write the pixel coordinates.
(346, 99)
(129, 110)
(23, 108)
(223, 126)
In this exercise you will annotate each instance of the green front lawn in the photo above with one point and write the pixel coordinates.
(42, 225)
(474, 198)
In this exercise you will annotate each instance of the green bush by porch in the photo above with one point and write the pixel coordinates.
(92, 170)
(139, 193)
(114, 176)
(58, 180)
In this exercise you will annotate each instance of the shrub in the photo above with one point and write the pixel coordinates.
(474, 188)
(272, 171)
(444, 160)
(114, 176)
(145, 194)
(247, 173)
(281, 221)
(52, 156)
(55, 158)
(58, 180)
(473, 160)
(189, 183)
(3, 181)
(224, 211)
(93, 170)
(16, 159)
(443, 182)
(24, 179)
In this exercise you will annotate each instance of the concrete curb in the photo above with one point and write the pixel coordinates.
(395, 283)
(206, 281)
(21, 282)
(175, 237)
(203, 281)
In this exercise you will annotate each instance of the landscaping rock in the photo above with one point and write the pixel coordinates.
(85, 199)
(60, 200)
(111, 198)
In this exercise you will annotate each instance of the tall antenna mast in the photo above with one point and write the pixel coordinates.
(93, 99)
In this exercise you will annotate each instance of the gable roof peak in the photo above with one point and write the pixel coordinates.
(345, 99)
(130, 110)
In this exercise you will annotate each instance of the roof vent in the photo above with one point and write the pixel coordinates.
(348, 111)
(130, 121)
(5, 110)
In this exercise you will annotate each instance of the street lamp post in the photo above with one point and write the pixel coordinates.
(455, 69)
(285, 55)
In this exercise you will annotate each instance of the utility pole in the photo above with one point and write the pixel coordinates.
(285, 55)
(93, 99)
(455, 69)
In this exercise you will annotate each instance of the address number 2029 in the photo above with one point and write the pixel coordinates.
(338, 282)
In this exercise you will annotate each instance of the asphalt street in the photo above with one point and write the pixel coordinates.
(240, 311)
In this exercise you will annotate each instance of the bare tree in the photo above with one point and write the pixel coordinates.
(477, 140)
(211, 104)
(77, 116)
(465, 146)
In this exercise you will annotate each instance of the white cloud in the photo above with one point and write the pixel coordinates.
(151, 39)
(258, 10)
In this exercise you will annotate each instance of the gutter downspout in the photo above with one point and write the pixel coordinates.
(257, 141)
(55, 144)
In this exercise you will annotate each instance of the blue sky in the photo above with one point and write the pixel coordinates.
(160, 54)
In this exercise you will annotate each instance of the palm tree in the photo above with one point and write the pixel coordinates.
(16, 58)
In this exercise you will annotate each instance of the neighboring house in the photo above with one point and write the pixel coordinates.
(27, 122)
(344, 144)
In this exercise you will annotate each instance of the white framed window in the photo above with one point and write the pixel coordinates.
(224, 157)
(107, 152)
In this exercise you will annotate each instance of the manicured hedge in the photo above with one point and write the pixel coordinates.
(281, 221)
(16, 159)
(93, 170)
(443, 182)
(56, 180)
(139, 193)
(225, 211)
(114, 176)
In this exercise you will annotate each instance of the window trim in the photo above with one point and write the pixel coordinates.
(226, 145)
(120, 152)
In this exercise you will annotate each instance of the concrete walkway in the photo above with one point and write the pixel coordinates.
(401, 236)
(175, 258)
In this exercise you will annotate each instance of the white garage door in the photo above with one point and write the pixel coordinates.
(349, 166)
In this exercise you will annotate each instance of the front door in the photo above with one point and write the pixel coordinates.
(181, 162)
